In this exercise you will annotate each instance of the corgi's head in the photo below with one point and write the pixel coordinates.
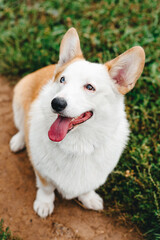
(88, 92)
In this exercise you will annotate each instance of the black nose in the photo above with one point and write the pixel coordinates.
(58, 104)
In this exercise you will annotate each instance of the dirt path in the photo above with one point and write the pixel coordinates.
(17, 193)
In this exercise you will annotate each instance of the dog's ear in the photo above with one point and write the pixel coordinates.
(70, 47)
(127, 68)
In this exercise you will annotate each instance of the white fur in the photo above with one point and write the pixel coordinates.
(17, 142)
(82, 161)
(43, 204)
(91, 200)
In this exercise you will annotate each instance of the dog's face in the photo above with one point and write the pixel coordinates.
(84, 93)
(87, 92)
(84, 87)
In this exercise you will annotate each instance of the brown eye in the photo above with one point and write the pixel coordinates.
(90, 87)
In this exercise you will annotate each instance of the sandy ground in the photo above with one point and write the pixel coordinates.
(17, 193)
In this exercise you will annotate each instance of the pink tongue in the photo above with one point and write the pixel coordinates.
(59, 129)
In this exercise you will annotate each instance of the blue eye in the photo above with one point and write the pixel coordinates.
(62, 80)
(90, 87)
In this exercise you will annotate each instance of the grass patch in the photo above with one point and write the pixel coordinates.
(29, 39)
(5, 233)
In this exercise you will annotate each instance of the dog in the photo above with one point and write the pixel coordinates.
(71, 118)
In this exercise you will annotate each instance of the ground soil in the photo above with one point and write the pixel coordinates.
(17, 193)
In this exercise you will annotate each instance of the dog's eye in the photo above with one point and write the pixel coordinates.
(90, 87)
(62, 80)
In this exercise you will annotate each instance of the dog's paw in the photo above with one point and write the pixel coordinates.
(91, 200)
(17, 142)
(43, 205)
(43, 209)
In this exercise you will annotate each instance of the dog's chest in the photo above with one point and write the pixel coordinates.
(75, 165)
(72, 174)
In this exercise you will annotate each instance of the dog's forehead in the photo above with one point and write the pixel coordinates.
(85, 69)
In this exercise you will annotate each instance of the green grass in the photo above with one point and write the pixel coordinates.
(30, 38)
(5, 234)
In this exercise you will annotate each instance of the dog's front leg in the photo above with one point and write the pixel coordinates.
(91, 200)
(44, 202)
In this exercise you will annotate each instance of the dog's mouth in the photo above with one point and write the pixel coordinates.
(63, 125)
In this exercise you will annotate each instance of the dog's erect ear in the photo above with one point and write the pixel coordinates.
(70, 47)
(127, 68)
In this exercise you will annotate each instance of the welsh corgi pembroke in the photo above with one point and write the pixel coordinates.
(71, 117)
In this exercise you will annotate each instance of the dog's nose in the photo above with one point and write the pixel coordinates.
(58, 104)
